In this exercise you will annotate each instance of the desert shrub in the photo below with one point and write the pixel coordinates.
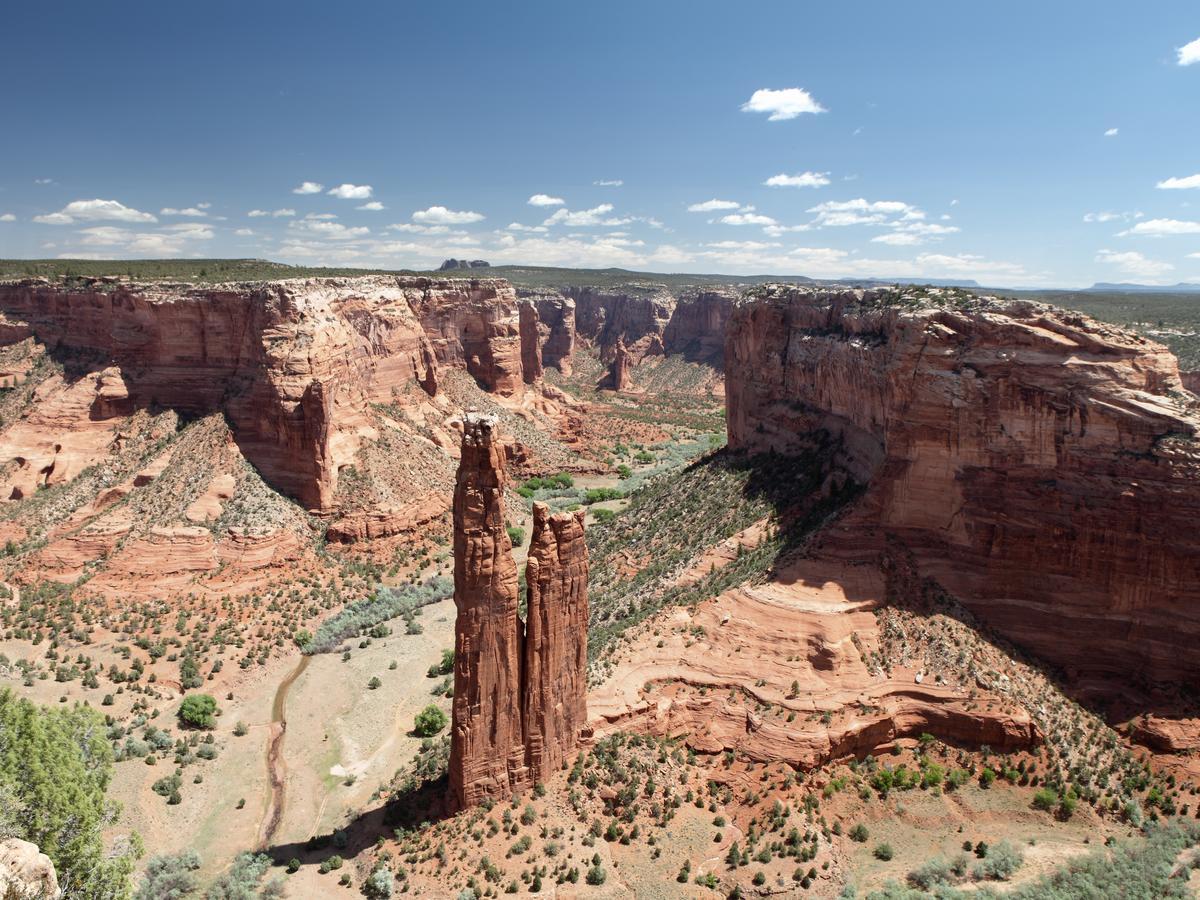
(429, 721)
(198, 711)
(1045, 799)
(386, 603)
(930, 874)
(884, 852)
(1002, 861)
(379, 884)
(170, 877)
(243, 880)
(859, 833)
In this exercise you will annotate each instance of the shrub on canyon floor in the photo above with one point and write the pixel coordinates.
(429, 721)
(198, 711)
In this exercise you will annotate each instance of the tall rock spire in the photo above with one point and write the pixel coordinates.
(556, 574)
(519, 699)
(487, 753)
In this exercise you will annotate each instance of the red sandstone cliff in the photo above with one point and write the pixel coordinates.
(1043, 467)
(618, 377)
(519, 694)
(293, 364)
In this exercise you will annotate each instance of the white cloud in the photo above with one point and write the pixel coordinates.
(244, 232)
(584, 218)
(615, 182)
(170, 241)
(714, 205)
(309, 187)
(840, 213)
(43, 181)
(410, 228)
(321, 216)
(545, 200)
(94, 211)
(373, 206)
(439, 215)
(803, 179)
(783, 104)
(898, 238)
(1134, 263)
(8, 217)
(333, 231)
(779, 230)
(278, 214)
(517, 226)
(1190, 53)
(194, 211)
(351, 191)
(1110, 216)
(1179, 184)
(1112, 132)
(743, 245)
(1163, 227)
(747, 219)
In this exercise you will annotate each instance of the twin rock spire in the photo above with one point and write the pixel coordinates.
(519, 688)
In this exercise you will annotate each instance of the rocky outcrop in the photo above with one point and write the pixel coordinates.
(531, 349)
(487, 748)
(294, 365)
(25, 872)
(556, 327)
(518, 698)
(618, 377)
(1191, 381)
(1042, 467)
(555, 702)
(451, 264)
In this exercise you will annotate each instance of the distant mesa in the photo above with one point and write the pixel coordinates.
(1130, 288)
(463, 264)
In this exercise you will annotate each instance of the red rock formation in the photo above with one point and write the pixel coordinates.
(556, 326)
(293, 364)
(531, 353)
(487, 750)
(618, 377)
(1041, 466)
(519, 704)
(555, 700)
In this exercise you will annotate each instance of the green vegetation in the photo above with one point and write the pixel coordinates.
(198, 711)
(170, 877)
(429, 721)
(363, 616)
(243, 880)
(55, 766)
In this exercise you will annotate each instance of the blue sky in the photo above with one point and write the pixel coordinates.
(1016, 143)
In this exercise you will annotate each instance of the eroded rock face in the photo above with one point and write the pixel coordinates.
(619, 377)
(555, 638)
(293, 364)
(26, 872)
(487, 748)
(1041, 466)
(519, 698)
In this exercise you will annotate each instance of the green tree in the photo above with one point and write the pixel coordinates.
(198, 711)
(55, 766)
(429, 721)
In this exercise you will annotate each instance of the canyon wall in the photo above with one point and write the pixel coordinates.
(293, 364)
(1041, 466)
(519, 690)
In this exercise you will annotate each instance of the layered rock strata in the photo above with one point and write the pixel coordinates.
(519, 705)
(294, 364)
(1042, 467)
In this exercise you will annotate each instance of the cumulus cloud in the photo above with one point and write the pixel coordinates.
(840, 213)
(333, 231)
(545, 200)
(1112, 132)
(410, 228)
(1133, 263)
(1110, 216)
(1189, 54)
(584, 218)
(779, 230)
(244, 232)
(1163, 228)
(172, 240)
(440, 215)
(8, 217)
(373, 206)
(614, 182)
(195, 211)
(278, 214)
(1179, 184)
(351, 191)
(535, 229)
(746, 219)
(714, 205)
(782, 104)
(803, 179)
(94, 211)
(310, 187)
